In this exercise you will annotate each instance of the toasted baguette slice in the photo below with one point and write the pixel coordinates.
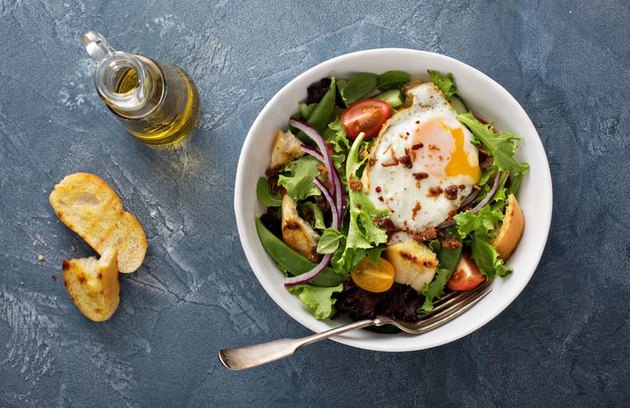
(88, 206)
(414, 263)
(296, 232)
(93, 285)
(286, 147)
(511, 230)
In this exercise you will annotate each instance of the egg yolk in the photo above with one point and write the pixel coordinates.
(459, 164)
(436, 137)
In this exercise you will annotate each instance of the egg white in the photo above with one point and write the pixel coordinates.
(426, 134)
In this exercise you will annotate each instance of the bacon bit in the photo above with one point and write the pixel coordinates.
(486, 163)
(381, 199)
(322, 203)
(323, 170)
(417, 146)
(372, 161)
(393, 156)
(406, 161)
(387, 224)
(426, 235)
(417, 122)
(378, 189)
(435, 191)
(420, 176)
(450, 243)
(451, 192)
(415, 209)
(395, 163)
(355, 185)
(433, 147)
(461, 186)
(272, 173)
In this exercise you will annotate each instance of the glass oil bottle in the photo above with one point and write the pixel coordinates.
(157, 102)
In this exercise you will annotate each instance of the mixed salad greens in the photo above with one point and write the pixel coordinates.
(337, 263)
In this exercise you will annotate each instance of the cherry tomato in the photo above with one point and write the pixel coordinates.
(367, 116)
(378, 277)
(466, 275)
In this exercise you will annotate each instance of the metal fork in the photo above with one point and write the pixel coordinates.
(449, 307)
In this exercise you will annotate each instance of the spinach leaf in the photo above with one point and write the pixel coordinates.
(265, 196)
(358, 87)
(320, 116)
(329, 241)
(392, 79)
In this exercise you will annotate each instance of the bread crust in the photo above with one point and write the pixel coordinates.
(511, 230)
(93, 285)
(87, 205)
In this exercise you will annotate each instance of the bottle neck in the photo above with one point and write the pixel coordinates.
(124, 82)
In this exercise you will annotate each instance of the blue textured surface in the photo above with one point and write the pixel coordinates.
(563, 342)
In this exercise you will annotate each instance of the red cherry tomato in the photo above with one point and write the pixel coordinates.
(466, 275)
(367, 116)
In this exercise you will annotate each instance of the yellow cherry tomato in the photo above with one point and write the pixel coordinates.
(376, 278)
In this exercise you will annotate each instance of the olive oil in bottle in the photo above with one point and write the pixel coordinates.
(157, 102)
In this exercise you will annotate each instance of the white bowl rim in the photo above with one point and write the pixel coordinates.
(535, 254)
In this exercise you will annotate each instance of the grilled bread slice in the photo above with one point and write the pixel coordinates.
(414, 263)
(88, 206)
(511, 230)
(286, 147)
(296, 232)
(92, 284)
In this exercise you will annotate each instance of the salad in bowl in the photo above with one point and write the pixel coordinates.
(383, 193)
(378, 191)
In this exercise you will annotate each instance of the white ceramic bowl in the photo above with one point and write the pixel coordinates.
(486, 99)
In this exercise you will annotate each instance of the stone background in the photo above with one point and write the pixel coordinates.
(563, 342)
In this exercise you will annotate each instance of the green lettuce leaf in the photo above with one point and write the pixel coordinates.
(501, 146)
(362, 231)
(329, 241)
(336, 137)
(485, 220)
(434, 290)
(446, 83)
(346, 258)
(317, 214)
(478, 228)
(362, 237)
(265, 196)
(486, 257)
(297, 178)
(317, 298)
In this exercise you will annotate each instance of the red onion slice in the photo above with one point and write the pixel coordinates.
(333, 208)
(489, 196)
(471, 198)
(313, 152)
(308, 276)
(319, 141)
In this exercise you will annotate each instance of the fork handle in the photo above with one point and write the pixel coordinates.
(241, 358)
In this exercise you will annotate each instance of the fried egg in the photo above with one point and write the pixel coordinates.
(423, 163)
